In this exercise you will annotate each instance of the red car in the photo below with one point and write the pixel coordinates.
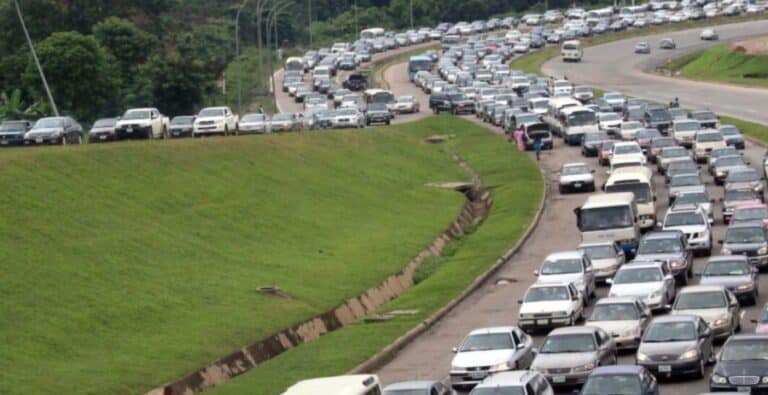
(737, 197)
(604, 153)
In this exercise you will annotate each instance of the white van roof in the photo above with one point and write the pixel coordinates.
(560, 102)
(609, 199)
(339, 385)
(570, 110)
(634, 173)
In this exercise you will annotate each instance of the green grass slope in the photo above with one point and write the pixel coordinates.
(723, 64)
(128, 265)
(516, 184)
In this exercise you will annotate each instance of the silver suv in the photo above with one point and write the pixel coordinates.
(523, 382)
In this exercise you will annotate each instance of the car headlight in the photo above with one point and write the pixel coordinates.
(718, 379)
(690, 354)
(560, 314)
(457, 368)
(745, 287)
(762, 251)
(720, 174)
(631, 331)
(584, 368)
(641, 357)
(501, 367)
(675, 264)
(725, 251)
(719, 323)
(764, 380)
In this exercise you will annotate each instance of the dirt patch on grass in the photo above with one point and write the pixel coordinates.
(754, 46)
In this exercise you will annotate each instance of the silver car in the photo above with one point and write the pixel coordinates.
(423, 387)
(624, 318)
(576, 177)
(606, 258)
(569, 267)
(715, 304)
(490, 350)
(568, 355)
(735, 273)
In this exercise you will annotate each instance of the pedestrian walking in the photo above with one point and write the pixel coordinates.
(537, 148)
(519, 138)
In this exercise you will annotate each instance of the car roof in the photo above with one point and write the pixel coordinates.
(492, 329)
(410, 385)
(616, 299)
(727, 258)
(748, 336)
(617, 369)
(565, 330)
(675, 318)
(600, 244)
(514, 377)
(540, 284)
(746, 224)
(663, 234)
(700, 288)
(572, 254)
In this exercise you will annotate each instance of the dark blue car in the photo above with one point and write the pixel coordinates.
(620, 379)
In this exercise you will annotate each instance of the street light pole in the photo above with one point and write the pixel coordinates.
(37, 61)
(357, 27)
(237, 59)
(311, 44)
(411, 14)
(277, 13)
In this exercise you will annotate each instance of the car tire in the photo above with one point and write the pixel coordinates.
(226, 130)
(79, 139)
(701, 370)
(64, 140)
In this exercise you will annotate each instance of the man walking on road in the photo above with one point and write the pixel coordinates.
(537, 148)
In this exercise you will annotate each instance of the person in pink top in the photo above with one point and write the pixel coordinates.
(519, 138)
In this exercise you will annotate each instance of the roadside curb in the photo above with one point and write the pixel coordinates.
(389, 352)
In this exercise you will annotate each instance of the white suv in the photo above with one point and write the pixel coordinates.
(694, 222)
(215, 120)
(684, 131)
(705, 141)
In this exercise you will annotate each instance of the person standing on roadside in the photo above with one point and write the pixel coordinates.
(537, 148)
(519, 136)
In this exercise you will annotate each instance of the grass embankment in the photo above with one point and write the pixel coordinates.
(128, 265)
(376, 75)
(723, 64)
(516, 185)
(531, 63)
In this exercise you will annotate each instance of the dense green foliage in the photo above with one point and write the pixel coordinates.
(723, 64)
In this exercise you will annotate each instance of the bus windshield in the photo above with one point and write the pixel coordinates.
(602, 218)
(641, 190)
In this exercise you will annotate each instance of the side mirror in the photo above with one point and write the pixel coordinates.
(521, 346)
(711, 221)
(754, 321)
(713, 200)
(669, 277)
(720, 242)
(698, 274)
(660, 224)
(638, 339)
(667, 307)
(536, 273)
(748, 162)
(593, 170)
(609, 281)
(454, 350)
(707, 333)
(520, 301)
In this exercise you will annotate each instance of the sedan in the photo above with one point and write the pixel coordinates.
(182, 126)
(418, 388)
(487, 351)
(606, 258)
(667, 43)
(744, 178)
(642, 48)
(715, 304)
(669, 247)
(576, 177)
(569, 355)
(254, 123)
(591, 143)
(103, 130)
(676, 345)
(749, 239)
(283, 122)
(733, 136)
(742, 365)
(55, 130)
(650, 282)
(569, 267)
(735, 198)
(724, 164)
(709, 34)
(623, 318)
(735, 274)
(406, 104)
(550, 305)
(621, 379)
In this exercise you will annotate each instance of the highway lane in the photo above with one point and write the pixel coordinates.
(614, 66)
(429, 356)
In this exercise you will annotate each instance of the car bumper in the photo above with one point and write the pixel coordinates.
(529, 324)
(573, 139)
(181, 132)
(626, 342)
(567, 379)
(589, 151)
(133, 132)
(578, 186)
(647, 221)
(603, 274)
(463, 379)
(43, 140)
(212, 129)
(101, 137)
(377, 120)
(252, 130)
(671, 368)
(11, 140)
(700, 244)
(759, 389)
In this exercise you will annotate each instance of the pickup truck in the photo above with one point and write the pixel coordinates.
(146, 123)
(455, 103)
(215, 120)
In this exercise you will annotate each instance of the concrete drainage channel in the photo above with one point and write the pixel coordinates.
(474, 211)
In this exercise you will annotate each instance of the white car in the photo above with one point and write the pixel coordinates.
(254, 123)
(694, 222)
(625, 318)
(715, 304)
(609, 122)
(215, 120)
(684, 131)
(630, 129)
(406, 104)
(349, 117)
(628, 151)
(576, 177)
(705, 141)
(652, 283)
(489, 351)
(550, 305)
(562, 88)
(709, 34)
(583, 93)
(569, 267)
(616, 100)
(144, 123)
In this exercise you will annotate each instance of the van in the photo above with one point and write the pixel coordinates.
(362, 384)
(610, 217)
(639, 181)
(321, 72)
(554, 107)
(572, 51)
(576, 122)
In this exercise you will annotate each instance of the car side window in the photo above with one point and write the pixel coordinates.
(572, 292)
(702, 327)
(515, 338)
(602, 337)
(433, 391)
(529, 389)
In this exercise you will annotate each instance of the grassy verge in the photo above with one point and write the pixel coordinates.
(516, 185)
(128, 265)
(722, 64)
(751, 129)
(532, 63)
(376, 75)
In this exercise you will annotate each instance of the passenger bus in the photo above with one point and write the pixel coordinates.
(379, 96)
(418, 63)
(610, 217)
(360, 384)
(576, 122)
(294, 64)
(372, 33)
(639, 181)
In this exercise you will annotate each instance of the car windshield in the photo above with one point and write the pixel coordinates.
(609, 117)
(631, 125)
(667, 245)
(457, 97)
(505, 390)
(729, 161)
(561, 266)
(745, 350)
(282, 117)
(603, 251)
(615, 384)
(685, 180)
(703, 115)
(727, 268)
(487, 341)
(583, 89)
(212, 112)
(613, 96)
(581, 118)
(742, 176)
(674, 152)
(670, 332)
(568, 344)
(687, 126)
(641, 190)
(700, 300)
(131, 115)
(377, 107)
(648, 134)
(102, 123)
(708, 137)
(684, 219)
(627, 149)
(545, 294)
(734, 195)
(573, 170)
(527, 118)
(405, 99)
(614, 312)
(590, 137)
(182, 120)
(745, 235)
(748, 214)
(659, 115)
(637, 275)
(605, 218)
(49, 123)
(729, 130)
(692, 198)
(253, 118)
(662, 142)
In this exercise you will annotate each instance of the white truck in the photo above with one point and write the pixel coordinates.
(215, 120)
(147, 123)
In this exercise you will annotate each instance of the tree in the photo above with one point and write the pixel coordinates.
(178, 84)
(81, 74)
(130, 45)
(12, 106)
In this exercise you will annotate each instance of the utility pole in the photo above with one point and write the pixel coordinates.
(37, 61)
(237, 59)
(357, 27)
(411, 14)
(311, 45)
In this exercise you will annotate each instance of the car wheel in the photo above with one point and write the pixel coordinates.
(226, 130)
(79, 139)
(64, 140)
(700, 370)
(166, 135)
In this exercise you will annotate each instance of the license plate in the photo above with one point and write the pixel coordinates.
(3, 142)
(103, 137)
(558, 379)
(665, 368)
(129, 130)
(577, 185)
(744, 389)
(477, 375)
(541, 322)
(39, 140)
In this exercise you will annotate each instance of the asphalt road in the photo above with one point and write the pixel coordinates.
(614, 66)
(429, 356)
